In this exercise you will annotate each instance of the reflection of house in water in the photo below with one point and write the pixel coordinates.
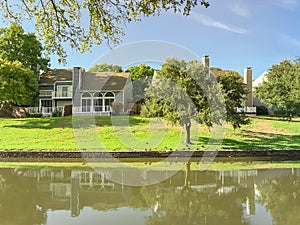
(74, 189)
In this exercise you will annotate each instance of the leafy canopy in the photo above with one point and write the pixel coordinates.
(18, 85)
(141, 76)
(140, 71)
(105, 67)
(281, 89)
(185, 91)
(85, 23)
(15, 45)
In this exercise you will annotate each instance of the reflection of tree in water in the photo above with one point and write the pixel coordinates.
(281, 196)
(19, 200)
(185, 205)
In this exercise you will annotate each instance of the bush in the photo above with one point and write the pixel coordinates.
(33, 115)
(117, 108)
(261, 110)
(56, 114)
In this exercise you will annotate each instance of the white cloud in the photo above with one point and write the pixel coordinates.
(291, 41)
(207, 21)
(239, 10)
(287, 4)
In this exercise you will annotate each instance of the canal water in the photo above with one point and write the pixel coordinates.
(70, 196)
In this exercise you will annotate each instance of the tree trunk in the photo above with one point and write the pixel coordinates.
(187, 178)
(188, 133)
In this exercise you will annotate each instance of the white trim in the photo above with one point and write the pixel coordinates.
(123, 101)
(63, 81)
(45, 91)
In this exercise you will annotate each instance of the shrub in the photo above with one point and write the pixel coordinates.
(33, 115)
(117, 108)
(261, 110)
(56, 114)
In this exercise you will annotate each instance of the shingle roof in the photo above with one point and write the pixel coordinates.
(54, 75)
(218, 71)
(107, 81)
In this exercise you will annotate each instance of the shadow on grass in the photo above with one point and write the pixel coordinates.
(261, 140)
(70, 122)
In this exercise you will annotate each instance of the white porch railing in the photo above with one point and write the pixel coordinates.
(63, 94)
(91, 110)
(247, 109)
(45, 110)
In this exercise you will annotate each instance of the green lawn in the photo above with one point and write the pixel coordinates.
(137, 134)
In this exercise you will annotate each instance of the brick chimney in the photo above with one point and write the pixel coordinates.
(205, 61)
(76, 85)
(248, 82)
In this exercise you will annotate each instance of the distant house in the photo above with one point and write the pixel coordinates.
(87, 93)
(257, 101)
(248, 106)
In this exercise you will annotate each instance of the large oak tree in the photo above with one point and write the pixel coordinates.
(185, 91)
(16, 45)
(18, 85)
(21, 60)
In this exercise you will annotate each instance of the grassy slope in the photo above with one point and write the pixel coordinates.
(58, 134)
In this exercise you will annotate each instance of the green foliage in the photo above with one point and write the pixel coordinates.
(33, 115)
(56, 114)
(233, 90)
(138, 72)
(141, 76)
(18, 85)
(85, 23)
(184, 91)
(282, 88)
(15, 45)
(105, 67)
(261, 110)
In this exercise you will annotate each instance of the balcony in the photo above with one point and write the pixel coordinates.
(247, 110)
(62, 94)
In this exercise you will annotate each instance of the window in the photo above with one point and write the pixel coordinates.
(64, 91)
(98, 102)
(46, 103)
(86, 102)
(109, 97)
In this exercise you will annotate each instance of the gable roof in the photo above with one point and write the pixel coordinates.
(53, 75)
(260, 79)
(106, 81)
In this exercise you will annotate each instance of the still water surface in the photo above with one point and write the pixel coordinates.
(74, 196)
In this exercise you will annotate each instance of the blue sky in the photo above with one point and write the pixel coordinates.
(234, 33)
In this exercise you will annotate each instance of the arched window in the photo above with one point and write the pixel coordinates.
(86, 102)
(98, 102)
(109, 97)
(110, 94)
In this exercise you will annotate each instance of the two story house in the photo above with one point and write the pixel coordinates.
(87, 93)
